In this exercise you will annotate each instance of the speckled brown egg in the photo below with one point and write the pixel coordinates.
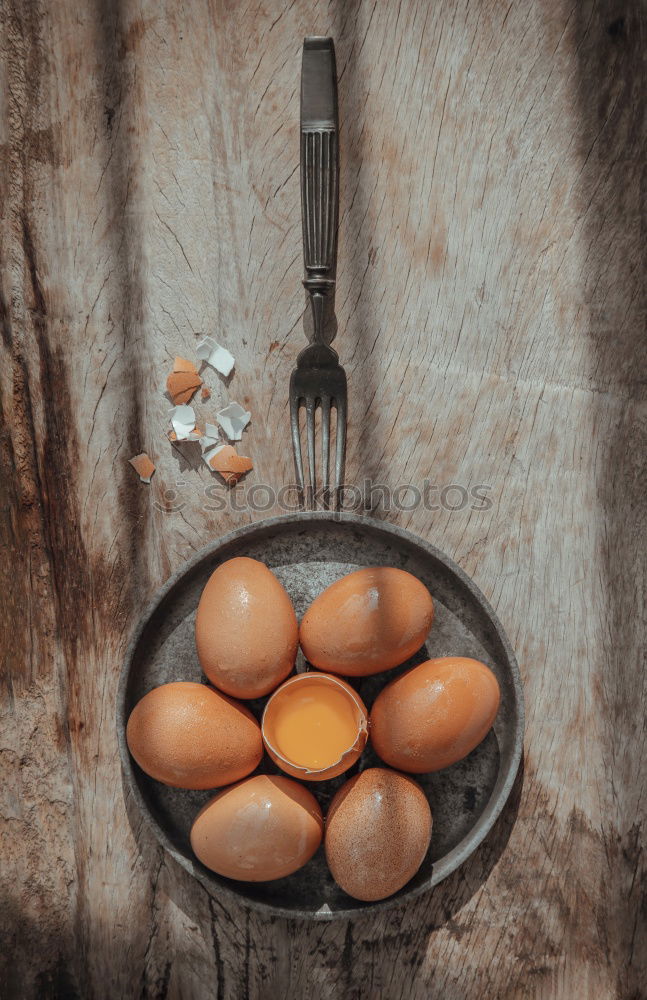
(190, 736)
(371, 620)
(246, 630)
(263, 828)
(435, 714)
(378, 829)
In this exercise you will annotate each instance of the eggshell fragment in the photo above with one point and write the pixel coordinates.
(229, 463)
(263, 828)
(320, 737)
(246, 630)
(213, 354)
(190, 736)
(371, 620)
(183, 381)
(184, 365)
(233, 420)
(378, 830)
(143, 466)
(195, 435)
(183, 422)
(435, 714)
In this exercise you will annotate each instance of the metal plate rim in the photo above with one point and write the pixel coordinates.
(486, 821)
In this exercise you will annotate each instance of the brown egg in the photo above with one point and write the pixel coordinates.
(378, 830)
(262, 828)
(190, 736)
(435, 714)
(368, 621)
(314, 726)
(246, 630)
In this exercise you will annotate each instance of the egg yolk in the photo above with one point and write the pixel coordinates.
(315, 725)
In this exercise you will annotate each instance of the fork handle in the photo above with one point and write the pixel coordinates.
(319, 171)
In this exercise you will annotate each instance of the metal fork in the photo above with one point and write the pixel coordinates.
(319, 379)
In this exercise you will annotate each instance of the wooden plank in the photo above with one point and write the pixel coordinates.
(491, 316)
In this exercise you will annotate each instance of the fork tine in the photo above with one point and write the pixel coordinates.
(310, 428)
(325, 445)
(296, 438)
(340, 450)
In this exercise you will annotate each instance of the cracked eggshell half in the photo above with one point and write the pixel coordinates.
(315, 726)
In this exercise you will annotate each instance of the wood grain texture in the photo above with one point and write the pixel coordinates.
(491, 318)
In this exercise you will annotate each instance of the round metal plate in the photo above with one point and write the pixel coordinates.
(307, 552)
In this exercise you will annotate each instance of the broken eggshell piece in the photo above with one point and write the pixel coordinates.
(211, 443)
(183, 381)
(184, 365)
(143, 466)
(314, 726)
(183, 421)
(226, 461)
(223, 458)
(209, 351)
(233, 420)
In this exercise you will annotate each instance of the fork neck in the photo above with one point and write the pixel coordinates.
(319, 289)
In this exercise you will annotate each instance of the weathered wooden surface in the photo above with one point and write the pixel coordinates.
(491, 318)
